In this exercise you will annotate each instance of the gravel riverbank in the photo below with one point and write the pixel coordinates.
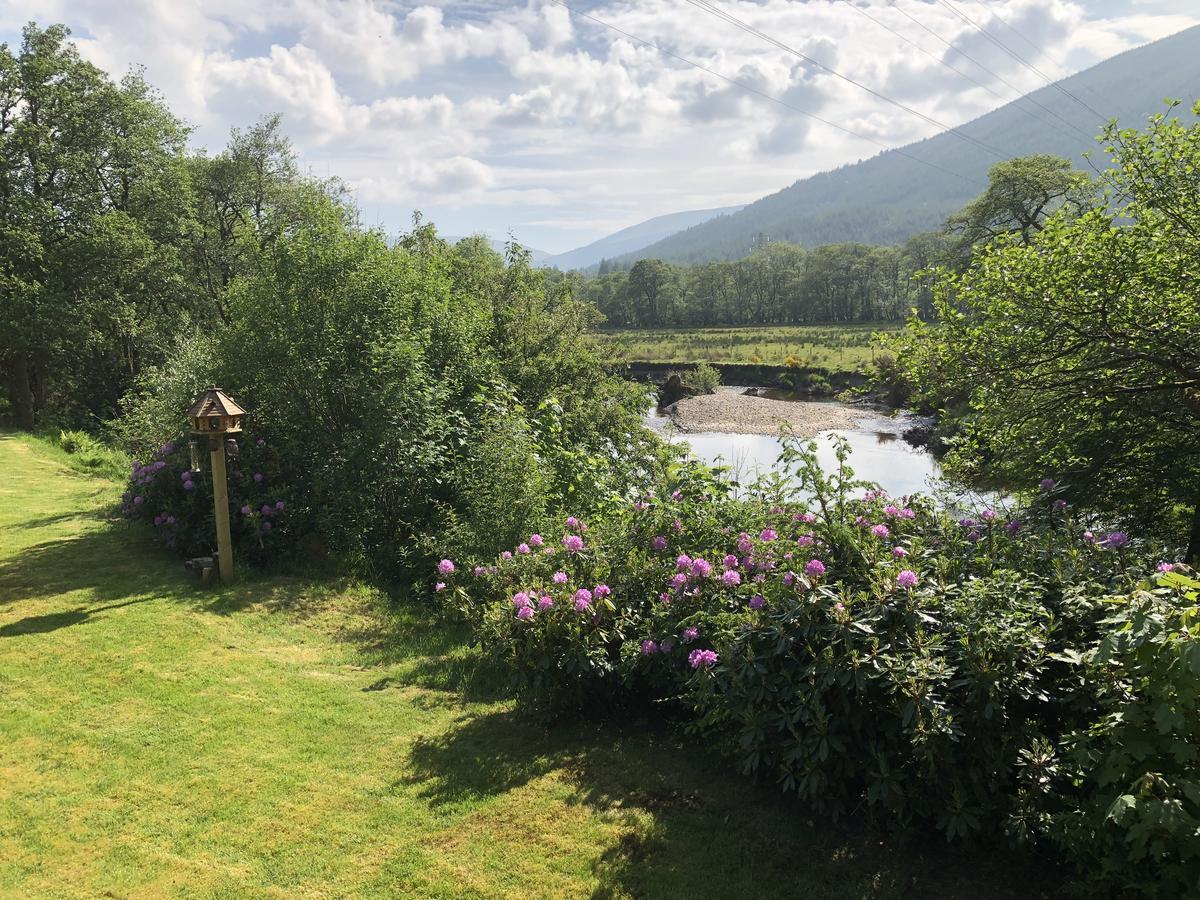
(736, 413)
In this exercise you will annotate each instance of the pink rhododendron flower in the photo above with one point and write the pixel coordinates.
(445, 567)
(899, 552)
(1047, 484)
(907, 579)
(731, 578)
(559, 577)
(880, 531)
(572, 522)
(701, 568)
(573, 543)
(583, 594)
(702, 659)
(602, 590)
(757, 601)
(520, 598)
(506, 555)
(768, 534)
(891, 510)
(690, 634)
(789, 579)
(581, 605)
(679, 580)
(480, 571)
(658, 543)
(545, 603)
(743, 543)
(814, 568)
(677, 525)
(804, 540)
(649, 647)
(525, 613)
(536, 540)
(440, 586)
(730, 561)
(523, 549)
(1165, 567)
(683, 562)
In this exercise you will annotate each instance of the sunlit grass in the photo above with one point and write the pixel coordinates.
(294, 738)
(837, 348)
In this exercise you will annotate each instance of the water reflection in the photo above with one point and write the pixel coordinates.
(877, 453)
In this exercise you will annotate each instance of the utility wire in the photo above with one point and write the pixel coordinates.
(1003, 46)
(953, 68)
(996, 75)
(747, 27)
(763, 94)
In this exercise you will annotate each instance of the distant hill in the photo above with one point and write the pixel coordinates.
(888, 198)
(539, 256)
(634, 238)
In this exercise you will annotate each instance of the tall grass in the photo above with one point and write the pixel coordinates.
(833, 347)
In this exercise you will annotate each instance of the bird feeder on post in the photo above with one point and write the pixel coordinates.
(216, 418)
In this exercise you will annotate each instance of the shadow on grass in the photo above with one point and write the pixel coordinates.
(54, 621)
(692, 829)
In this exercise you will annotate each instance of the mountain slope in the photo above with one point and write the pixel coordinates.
(634, 238)
(888, 198)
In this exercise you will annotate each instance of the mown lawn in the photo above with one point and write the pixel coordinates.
(290, 738)
(834, 347)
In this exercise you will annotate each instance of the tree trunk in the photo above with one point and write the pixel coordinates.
(19, 391)
(1193, 550)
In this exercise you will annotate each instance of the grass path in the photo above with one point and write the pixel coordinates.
(286, 738)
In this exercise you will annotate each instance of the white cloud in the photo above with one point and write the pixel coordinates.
(496, 115)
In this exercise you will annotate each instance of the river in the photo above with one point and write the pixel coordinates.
(879, 453)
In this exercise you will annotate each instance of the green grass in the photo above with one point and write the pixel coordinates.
(291, 738)
(837, 348)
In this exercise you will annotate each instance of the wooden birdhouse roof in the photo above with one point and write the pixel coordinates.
(214, 402)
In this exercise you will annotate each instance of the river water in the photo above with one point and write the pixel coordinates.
(879, 453)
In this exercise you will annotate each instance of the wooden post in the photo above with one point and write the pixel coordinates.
(216, 446)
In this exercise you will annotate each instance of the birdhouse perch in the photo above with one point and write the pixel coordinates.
(216, 416)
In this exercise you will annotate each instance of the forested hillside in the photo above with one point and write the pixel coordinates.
(888, 198)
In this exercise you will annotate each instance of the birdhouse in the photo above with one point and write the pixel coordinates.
(214, 413)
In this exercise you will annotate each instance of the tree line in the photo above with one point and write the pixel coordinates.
(114, 238)
(781, 283)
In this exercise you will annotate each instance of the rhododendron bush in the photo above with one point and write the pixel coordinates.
(877, 653)
(178, 502)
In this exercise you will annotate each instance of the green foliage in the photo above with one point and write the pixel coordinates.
(1021, 194)
(1122, 795)
(836, 348)
(410, 391)
(777, 284)
(178, 503)
(703, 379)
(1079, 351)
(1010, 671)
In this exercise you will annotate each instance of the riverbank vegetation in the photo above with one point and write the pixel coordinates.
(1074, 347)
(842, 348)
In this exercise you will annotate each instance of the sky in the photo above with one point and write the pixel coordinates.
(529, 119)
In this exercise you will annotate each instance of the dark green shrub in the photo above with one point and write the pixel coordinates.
(1004, 672)
(178, 503)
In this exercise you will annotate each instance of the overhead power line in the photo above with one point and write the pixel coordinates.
(953, 68)
(750, 29)
(763, 94)
(1003, 46)
(1022, 94)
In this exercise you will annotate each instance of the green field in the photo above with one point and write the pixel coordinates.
(833, 347)
(293, 738)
